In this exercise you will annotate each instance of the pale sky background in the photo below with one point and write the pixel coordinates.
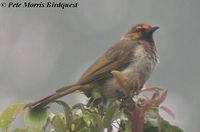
(42, 50)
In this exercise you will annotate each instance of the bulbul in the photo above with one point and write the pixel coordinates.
(134, 54)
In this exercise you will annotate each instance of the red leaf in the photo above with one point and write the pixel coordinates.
(148, 105)
(137, 120)
(168, 111)
(138, 84)
(162, 97)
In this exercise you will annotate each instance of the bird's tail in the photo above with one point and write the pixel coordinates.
(59, 93)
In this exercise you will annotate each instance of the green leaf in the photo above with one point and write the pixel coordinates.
(110, 113)
(167, 127)
(97, 120)
(88, 129)
(36, 121)
(127, 126)
(78, 125)
(148, 127)
(92, 119)
(96, 94)
(78, 106)
(164, 125)
(59, 122)
(151, 117)
(9, 114)
(20, 130)
(66, 107)
(85, 129)
(67, 110)
(87, 117)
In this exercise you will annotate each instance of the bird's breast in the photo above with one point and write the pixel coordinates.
(142, 64)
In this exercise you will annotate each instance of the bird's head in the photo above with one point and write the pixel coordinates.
(140, 32)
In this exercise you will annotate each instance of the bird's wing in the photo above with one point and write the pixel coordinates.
(116, 58)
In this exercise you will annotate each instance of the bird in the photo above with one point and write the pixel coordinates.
(135, 53)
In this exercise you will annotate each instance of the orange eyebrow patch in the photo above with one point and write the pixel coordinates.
(146, 27)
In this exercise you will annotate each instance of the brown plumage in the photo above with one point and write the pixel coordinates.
(135, 54)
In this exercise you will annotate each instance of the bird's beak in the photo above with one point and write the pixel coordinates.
(152, 30)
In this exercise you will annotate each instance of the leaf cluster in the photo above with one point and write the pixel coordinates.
(114, 115)
(138, 111)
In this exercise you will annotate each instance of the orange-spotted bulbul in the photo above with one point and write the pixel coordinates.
(134, 54)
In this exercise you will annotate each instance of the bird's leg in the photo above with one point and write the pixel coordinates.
(137, 83)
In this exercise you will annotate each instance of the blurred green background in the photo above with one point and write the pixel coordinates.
(42, 50)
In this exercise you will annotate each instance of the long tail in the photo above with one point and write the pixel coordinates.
(59, 93)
